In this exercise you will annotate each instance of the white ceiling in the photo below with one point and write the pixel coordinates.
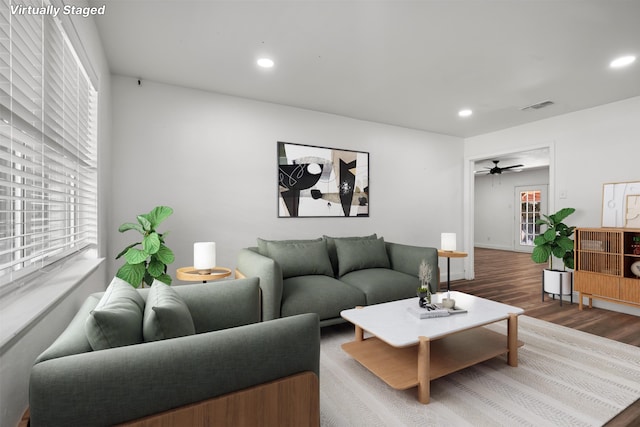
(406, 63)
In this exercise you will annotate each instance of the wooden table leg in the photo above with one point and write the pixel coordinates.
(512, 339)
(424, 371)
(359, 333)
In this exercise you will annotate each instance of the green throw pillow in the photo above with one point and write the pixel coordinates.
(262, 243)
(331, 247)
(300, 258)
(117, 319)
(166, 315)
(360, 254)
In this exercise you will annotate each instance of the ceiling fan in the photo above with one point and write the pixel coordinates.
(498, 170)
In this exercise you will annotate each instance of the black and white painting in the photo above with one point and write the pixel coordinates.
(322, 182)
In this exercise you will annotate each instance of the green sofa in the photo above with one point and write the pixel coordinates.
(330, 274)
(230, 354)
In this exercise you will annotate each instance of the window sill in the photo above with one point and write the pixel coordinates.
(22, 309)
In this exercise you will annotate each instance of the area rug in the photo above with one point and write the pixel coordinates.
(564, 378)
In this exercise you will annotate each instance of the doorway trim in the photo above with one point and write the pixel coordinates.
(469, 195)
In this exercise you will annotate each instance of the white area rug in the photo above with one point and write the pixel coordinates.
(564, 378)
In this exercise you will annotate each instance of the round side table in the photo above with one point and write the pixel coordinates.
(190, 274)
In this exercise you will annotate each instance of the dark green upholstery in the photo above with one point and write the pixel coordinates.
(323, 295)
(327, 296)
(382, 284)
(71, 385)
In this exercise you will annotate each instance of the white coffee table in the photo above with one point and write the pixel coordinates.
(406, 352)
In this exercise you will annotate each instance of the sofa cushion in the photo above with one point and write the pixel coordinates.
(117, 319)
(166, 315)
(301, 258)
(323, 295)
(331, 248)
(382, 285)
(360, 254)
(262, 243)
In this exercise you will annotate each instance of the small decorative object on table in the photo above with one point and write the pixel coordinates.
(424, 291)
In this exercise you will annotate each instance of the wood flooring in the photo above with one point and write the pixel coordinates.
(514, 279)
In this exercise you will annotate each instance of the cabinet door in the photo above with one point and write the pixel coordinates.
(597, 284)
(630, 290)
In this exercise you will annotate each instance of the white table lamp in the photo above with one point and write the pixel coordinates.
(204, 256)
(448, 242)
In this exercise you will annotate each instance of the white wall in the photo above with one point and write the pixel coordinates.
(213, 158)
(494, 214)
(588, 148)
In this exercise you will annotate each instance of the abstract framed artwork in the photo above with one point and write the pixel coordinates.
(322, 182)
(621, 204)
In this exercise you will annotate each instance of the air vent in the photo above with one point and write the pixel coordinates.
(537, 106)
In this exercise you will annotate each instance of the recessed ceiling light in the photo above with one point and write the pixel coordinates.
(265, 62)
(465, 113)
(623, 61)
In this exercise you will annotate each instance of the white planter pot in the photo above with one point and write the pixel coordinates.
(557, 282)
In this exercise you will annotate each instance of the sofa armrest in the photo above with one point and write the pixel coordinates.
(116, 385)
(252, 264)
(407, 259)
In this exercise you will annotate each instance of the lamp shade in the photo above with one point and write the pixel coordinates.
(448, 241)
(204, 255)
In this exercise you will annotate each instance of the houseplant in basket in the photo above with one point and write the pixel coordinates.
(149, 262)
(555, 242)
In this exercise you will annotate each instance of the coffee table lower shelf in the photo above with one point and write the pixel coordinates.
(398, 367)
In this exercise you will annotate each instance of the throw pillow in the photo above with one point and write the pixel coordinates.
(360, 254)
(262, 243)
(331, 247)
(166, 315)
(301, 258)
(117, 319)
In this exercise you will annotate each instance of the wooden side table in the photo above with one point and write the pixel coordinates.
(190, 274)
(449, 255)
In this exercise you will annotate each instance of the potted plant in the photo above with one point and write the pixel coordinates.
(555, 242)
(150, 262)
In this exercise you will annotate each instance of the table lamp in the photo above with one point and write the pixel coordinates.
(204, 257)
(448, 242)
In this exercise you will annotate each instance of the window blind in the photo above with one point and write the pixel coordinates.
(48, 145)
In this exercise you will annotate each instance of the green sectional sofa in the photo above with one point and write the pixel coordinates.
(204, 358)
(331, 274)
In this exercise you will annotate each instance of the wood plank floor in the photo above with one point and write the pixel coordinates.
(514, 279)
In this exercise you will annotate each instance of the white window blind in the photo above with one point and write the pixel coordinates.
(48, 145)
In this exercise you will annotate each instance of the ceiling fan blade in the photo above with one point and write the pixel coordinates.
(511, 167)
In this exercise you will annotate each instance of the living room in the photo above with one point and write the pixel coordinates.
(211, 156)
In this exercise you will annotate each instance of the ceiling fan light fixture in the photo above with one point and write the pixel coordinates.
(622, 61)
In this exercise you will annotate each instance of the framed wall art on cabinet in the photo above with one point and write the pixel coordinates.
(322, 182)
(621, 204)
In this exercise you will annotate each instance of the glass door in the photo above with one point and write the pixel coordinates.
(530, 203)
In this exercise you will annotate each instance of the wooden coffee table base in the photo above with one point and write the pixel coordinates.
(407, 367)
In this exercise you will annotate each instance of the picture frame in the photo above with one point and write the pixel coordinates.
(315, 181)
(621, 204)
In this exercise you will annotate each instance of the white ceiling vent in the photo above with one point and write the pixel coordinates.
(537, 106)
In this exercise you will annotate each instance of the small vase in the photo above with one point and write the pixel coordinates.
(424, 298)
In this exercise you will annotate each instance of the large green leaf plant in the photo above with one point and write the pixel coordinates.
(145, 264)
(555, 241)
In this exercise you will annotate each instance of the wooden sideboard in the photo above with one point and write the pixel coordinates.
(604, 257)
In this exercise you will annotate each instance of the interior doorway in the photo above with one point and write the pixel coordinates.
(539, 157)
